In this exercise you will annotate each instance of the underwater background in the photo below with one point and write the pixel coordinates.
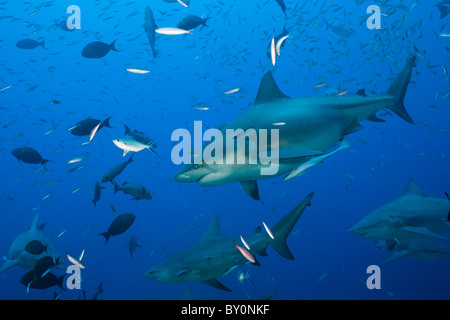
(54, 87)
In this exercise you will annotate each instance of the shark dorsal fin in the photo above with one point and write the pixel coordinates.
(213, 230)
(413, 189)
(34, 224)
(268, 90)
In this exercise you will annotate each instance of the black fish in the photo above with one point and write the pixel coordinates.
(119, 225)
(191, 22)
(29, 155)
(45, 263)
(29, 44)
(98, 49)
(150, 27)
(34, 279)
(85, 127)
(97, 193)
(35, 247)
(116, 170)
(282, 5)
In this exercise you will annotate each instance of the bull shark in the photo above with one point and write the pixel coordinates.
(18, 256)
(308, 127)
(216, 256)
(413, 215)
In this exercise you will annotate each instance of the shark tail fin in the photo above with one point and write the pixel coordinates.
(398, 89)
(284, 227)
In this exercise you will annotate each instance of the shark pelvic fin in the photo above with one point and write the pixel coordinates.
(268, 90)
(216, 284)
(251, 188)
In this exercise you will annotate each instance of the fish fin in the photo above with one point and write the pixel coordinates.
(113, 46)
(216, 284)
(213, 231)
(283, 227)
(374, 118)
(361, 92)
(353, 127)
(251, 188)
(127, 130)
(8, 264)
(395, 256)
(398, 89)
(124, 153)
(413, 189)
(105, 123)
(107, 235)
(268, 90)
(421, 231)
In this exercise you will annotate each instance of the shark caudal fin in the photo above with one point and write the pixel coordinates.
(284, 227)
(398, 89)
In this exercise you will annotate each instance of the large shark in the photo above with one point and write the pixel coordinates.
(18, 256)
(308, 127)
(216, 256)
(412, 215)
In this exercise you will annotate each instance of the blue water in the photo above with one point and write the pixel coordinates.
(195, 69)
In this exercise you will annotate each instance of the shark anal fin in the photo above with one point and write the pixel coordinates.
(216, 284)
(251, 188)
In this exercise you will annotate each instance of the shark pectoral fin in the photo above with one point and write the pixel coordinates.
(8, 264)
(292, 152)
(251, 188)
(421, 231)
(216, 284)
(396, 256)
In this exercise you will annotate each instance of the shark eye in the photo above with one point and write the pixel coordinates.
(196, 167)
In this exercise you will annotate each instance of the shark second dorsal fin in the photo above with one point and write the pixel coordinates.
(268, 90)
(213, 231)
(413, 189)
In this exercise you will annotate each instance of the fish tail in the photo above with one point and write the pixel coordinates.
(116, 186)
(113, 46)
(398, 89)
(59, 281)
(127, 130)
(106, 235)
(43, 44)
(105, 123)
(283, 228)
(205, 20)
